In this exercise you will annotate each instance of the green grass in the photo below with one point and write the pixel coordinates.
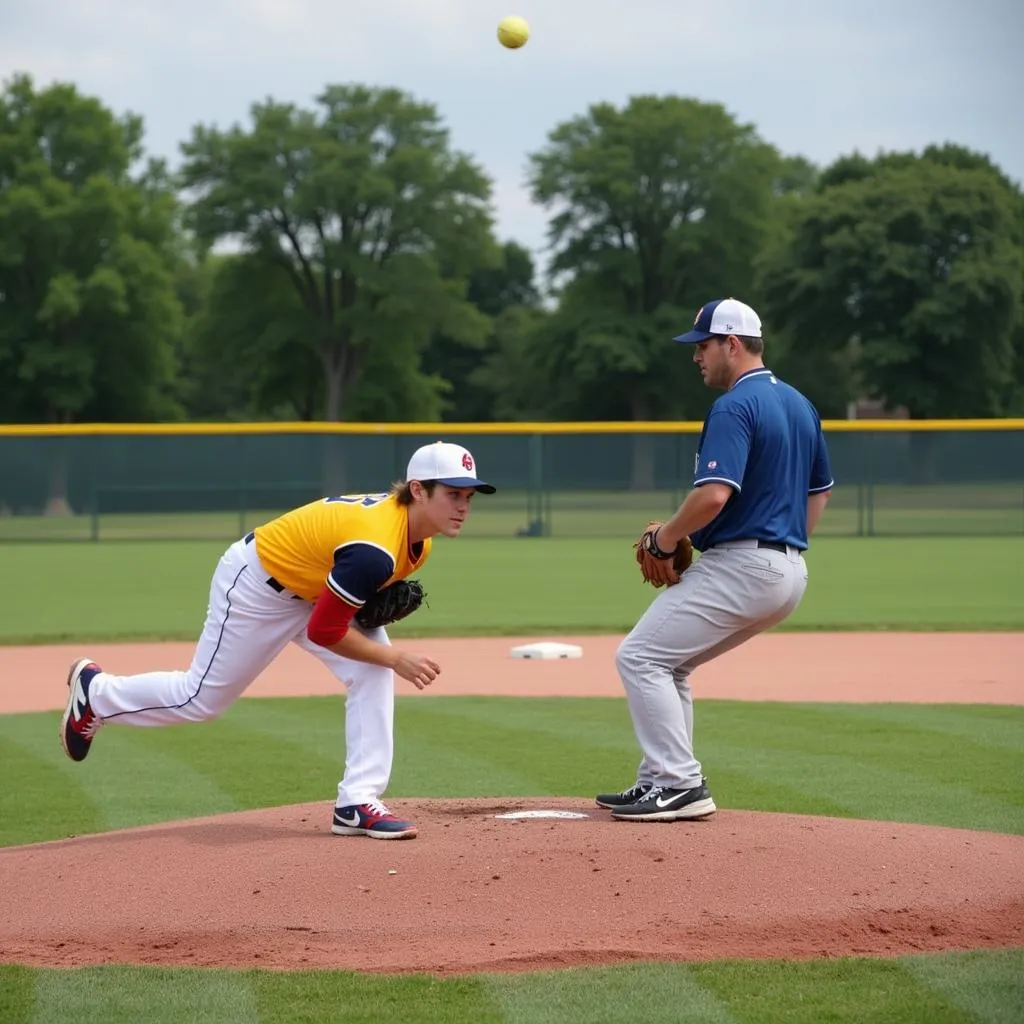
(947, 765)
(855, 509)
(951, 988)
(885, 761)
(61, 592)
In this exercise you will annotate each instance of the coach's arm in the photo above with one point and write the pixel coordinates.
(815, 506)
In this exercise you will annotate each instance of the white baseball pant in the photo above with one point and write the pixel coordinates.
(248, 624)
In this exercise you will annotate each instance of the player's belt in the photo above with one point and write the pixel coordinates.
(772, 545)
(271, 582)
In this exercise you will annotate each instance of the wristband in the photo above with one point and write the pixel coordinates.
(651, 546)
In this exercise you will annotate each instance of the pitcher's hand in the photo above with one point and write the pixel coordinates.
(417, 669)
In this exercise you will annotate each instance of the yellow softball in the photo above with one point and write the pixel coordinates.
(513, 32)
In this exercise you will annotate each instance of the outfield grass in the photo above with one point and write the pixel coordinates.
(158, 590)
(945, 765)
(948, 765)
(888, 761)
(954, 988)
(856, 509)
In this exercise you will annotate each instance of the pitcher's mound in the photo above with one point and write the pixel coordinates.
(478, 890)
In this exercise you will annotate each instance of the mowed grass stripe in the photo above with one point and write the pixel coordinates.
(323, 997)
(119, 995)
(130, 783)
(873, 761)
(654, 994)
(110, 595)
(40, 798)
(814, 759)
(17, 993)
(253, 755)
(854, 990)
(988, 986)
(989, 725)
(954, 988)
(495, 745)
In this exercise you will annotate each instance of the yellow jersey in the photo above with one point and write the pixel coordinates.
(355, 544)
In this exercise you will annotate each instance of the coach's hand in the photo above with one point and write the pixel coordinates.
(418, 669)
(660, 566)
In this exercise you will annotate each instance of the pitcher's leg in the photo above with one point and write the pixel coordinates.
(247, 625)
(369, 722)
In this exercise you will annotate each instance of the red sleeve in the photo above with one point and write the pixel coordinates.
(330, 618)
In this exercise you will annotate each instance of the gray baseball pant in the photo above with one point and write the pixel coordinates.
(728, 595)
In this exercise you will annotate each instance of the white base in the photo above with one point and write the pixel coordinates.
(547, 650)
(518, 815)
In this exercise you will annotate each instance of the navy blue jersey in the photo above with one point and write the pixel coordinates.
(763, 439)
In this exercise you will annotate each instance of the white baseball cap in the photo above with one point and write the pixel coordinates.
(449, 464)
(723, 316)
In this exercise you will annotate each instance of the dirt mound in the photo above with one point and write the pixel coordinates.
(476, 892)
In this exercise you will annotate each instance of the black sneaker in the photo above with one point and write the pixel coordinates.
(625, 798)
(80, 722)
(659, 804)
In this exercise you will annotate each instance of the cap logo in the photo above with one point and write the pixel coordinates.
(467, 462)
(697, 317)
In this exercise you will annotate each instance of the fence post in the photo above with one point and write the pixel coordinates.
(535, 524)
(94, 501)
(242, 481)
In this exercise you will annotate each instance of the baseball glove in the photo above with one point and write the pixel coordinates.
(659, 567)
(392, 603)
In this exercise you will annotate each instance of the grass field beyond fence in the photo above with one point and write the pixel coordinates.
(158, 590)
(858, 510)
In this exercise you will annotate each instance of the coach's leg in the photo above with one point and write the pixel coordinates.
(247, 625)
(720, 603)
(369, 721)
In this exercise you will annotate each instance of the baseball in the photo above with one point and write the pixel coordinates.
(513, 32)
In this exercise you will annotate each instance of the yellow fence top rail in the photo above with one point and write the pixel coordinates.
(441, 430)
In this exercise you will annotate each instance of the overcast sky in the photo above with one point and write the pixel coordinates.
(817, 77)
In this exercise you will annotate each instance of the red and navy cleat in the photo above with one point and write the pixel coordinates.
(80, 722)
(371, 819)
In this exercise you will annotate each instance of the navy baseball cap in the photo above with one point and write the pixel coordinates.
(449, 464)
(723, 316)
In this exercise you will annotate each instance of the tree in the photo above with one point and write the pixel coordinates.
(370, 217)
(251, 356)
(88, 313)
(89, 319)
(658, 207)
(906, 271)
(472, 392)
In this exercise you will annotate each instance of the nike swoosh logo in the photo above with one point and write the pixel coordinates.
(352, 823)
(663, 803)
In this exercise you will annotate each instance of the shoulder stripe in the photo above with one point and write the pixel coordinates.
(342, 593)
(717, 480)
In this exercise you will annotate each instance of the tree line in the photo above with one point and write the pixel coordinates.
(341, 263)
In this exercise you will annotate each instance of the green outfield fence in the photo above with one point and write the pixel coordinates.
(217, 481)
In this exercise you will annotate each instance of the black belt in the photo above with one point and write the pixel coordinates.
(271, 582)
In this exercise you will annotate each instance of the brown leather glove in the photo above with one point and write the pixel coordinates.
(661, 568)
